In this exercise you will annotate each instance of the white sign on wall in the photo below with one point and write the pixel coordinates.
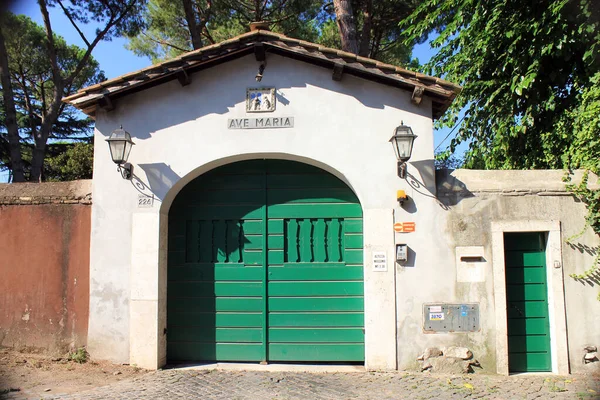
(260, 123)
(379, 261)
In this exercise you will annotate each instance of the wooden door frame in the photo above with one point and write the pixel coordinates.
(556, 294)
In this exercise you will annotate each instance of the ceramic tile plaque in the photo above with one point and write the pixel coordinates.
(260, 100)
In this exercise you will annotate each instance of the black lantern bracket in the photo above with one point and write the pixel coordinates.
(126, 170)
(402, 169)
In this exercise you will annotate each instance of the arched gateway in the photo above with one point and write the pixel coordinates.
(265, 263)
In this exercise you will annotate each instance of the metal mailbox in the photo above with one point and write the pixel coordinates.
(445, 318)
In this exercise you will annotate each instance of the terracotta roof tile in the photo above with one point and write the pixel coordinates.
(441, 91)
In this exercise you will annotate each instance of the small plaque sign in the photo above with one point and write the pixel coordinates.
(404, 227)
(379, 261)
(145, 201)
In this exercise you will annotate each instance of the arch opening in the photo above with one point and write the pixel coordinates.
(265, 263)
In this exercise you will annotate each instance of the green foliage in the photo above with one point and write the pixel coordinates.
(522, 66)
(584, 127)
(167, 31)
(79, 355)
(447, 160)
(530, 73)
(33, 87)
(126, 15)
(72, 161)
(166, 34)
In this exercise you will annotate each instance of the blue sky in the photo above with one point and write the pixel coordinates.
(116, 60)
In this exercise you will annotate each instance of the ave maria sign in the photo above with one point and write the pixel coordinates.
(260, 123)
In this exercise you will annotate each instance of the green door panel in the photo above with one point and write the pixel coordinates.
(342, 303)
(530, 362)
(528, 343)
(312, 335)
(527, 309)
(185, 319)
(214, 351)
(316, 352)
(527, 292)
(526, 275)
(315, 272)
(301, 289)
(212, 334)
(265, 263)
(314, 319)
(211, 303)
(209, 274)
(218, 288)
(528, 326)
(527, 302)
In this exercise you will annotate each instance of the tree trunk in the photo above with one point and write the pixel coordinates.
(11, 116)
(346, 25)
(365, 36)
(190, 17)
(41, 138)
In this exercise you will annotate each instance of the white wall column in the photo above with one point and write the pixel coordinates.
(144, 306)
(380, 292)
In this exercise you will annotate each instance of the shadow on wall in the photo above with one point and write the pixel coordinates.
(160, 177)
(590, 277)
(447, 191)
(450, 190)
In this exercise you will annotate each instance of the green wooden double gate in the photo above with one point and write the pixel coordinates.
(265, 263)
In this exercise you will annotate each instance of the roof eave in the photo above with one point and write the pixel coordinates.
(441, 92)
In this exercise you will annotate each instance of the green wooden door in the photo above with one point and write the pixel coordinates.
(265, 264)
(527, 302)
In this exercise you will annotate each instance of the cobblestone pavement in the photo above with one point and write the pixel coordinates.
(238, 385)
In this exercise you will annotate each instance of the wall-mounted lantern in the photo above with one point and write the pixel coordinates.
(402, 141)
(120, 145)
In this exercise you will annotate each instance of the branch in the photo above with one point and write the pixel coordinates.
(207, 34)
(109, 25)
(51, 47)
(165, 43)
(68, 14)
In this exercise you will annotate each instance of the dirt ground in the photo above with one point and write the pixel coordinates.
(30, 375)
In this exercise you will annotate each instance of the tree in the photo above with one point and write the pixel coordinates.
(373, 27)
(69, 161)
(346, 25)
(443, 160)
(523, 67)
(174, 27)
(530, 73)
(31, 87)
(115, 17)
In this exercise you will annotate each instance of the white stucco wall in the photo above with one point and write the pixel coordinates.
(479, 206)
(344, 128)
(181, 132)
